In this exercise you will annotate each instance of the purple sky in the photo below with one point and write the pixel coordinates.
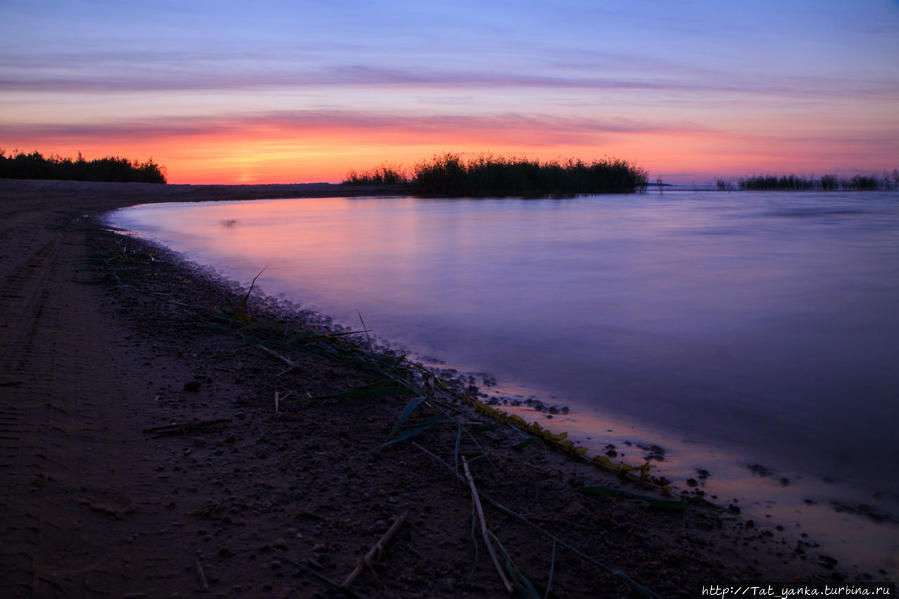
(287, 91)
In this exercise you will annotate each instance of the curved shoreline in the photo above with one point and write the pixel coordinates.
(797, 495)
(311, 482)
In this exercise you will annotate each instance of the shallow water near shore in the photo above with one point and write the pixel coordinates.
(732, 330)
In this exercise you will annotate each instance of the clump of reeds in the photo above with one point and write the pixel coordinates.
(785, 183)
(825, 183)
(724, 185)
(489, 175)
(20, 165)
(381, 175)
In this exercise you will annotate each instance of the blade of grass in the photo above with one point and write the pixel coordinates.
(440, 408)
(407, 411)
(474, 538)
(552, 569)
(365, 330)
(416, 430)
(522, 585)
(456, 449)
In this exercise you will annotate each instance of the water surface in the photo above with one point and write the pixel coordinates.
(763, 324)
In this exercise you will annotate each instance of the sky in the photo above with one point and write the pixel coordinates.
(303, 91)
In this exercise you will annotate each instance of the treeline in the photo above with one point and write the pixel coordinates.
(888, 182)
(35, 166)
(501, 176)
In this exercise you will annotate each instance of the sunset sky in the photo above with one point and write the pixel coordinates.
(241, 92)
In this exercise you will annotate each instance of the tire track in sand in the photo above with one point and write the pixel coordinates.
(23, 415)
(51, 424)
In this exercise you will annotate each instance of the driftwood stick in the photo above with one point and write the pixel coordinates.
(182, 305)
(484, 533)
(287, 361)
(279, 398)
(375, 551)
(286, 370)
(202, 574)
(185, 427)
(305, 568)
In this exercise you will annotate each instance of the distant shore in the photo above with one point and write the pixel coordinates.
(108, 196)
(108, 341)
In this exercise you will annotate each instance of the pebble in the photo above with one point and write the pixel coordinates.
(380, 526)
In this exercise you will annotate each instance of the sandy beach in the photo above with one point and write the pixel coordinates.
(142, 453)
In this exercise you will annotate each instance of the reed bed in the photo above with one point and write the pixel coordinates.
(499, 176)
(888, 182)
(382, 175)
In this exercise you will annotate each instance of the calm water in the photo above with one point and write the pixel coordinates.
(765, 324)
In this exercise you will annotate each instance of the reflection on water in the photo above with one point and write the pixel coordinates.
(764, 324)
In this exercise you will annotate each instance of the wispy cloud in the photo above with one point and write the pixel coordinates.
(505, 128)
(87, 73)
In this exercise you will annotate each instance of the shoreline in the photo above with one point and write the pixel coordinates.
(311, 481)
(797, 490)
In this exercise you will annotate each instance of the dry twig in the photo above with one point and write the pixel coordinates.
(186, 427)
(484, 533)
(272, 352)
(643, 591)
(202, 574)
(308, 570)
(375, 551)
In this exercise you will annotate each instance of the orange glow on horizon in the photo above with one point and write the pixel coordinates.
(269, 155)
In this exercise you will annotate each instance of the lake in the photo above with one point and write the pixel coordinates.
(732, 329)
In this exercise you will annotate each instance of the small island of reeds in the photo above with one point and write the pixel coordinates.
(888, 182)
(488, 175)
(20, 165)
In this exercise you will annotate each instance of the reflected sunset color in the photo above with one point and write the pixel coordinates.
(728, 328)
(680, 310)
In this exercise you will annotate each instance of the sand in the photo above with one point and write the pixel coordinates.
(103, 338)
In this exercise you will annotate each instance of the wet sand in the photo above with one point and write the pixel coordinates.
(103, 339)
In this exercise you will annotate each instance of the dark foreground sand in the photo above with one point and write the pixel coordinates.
(102, 338)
